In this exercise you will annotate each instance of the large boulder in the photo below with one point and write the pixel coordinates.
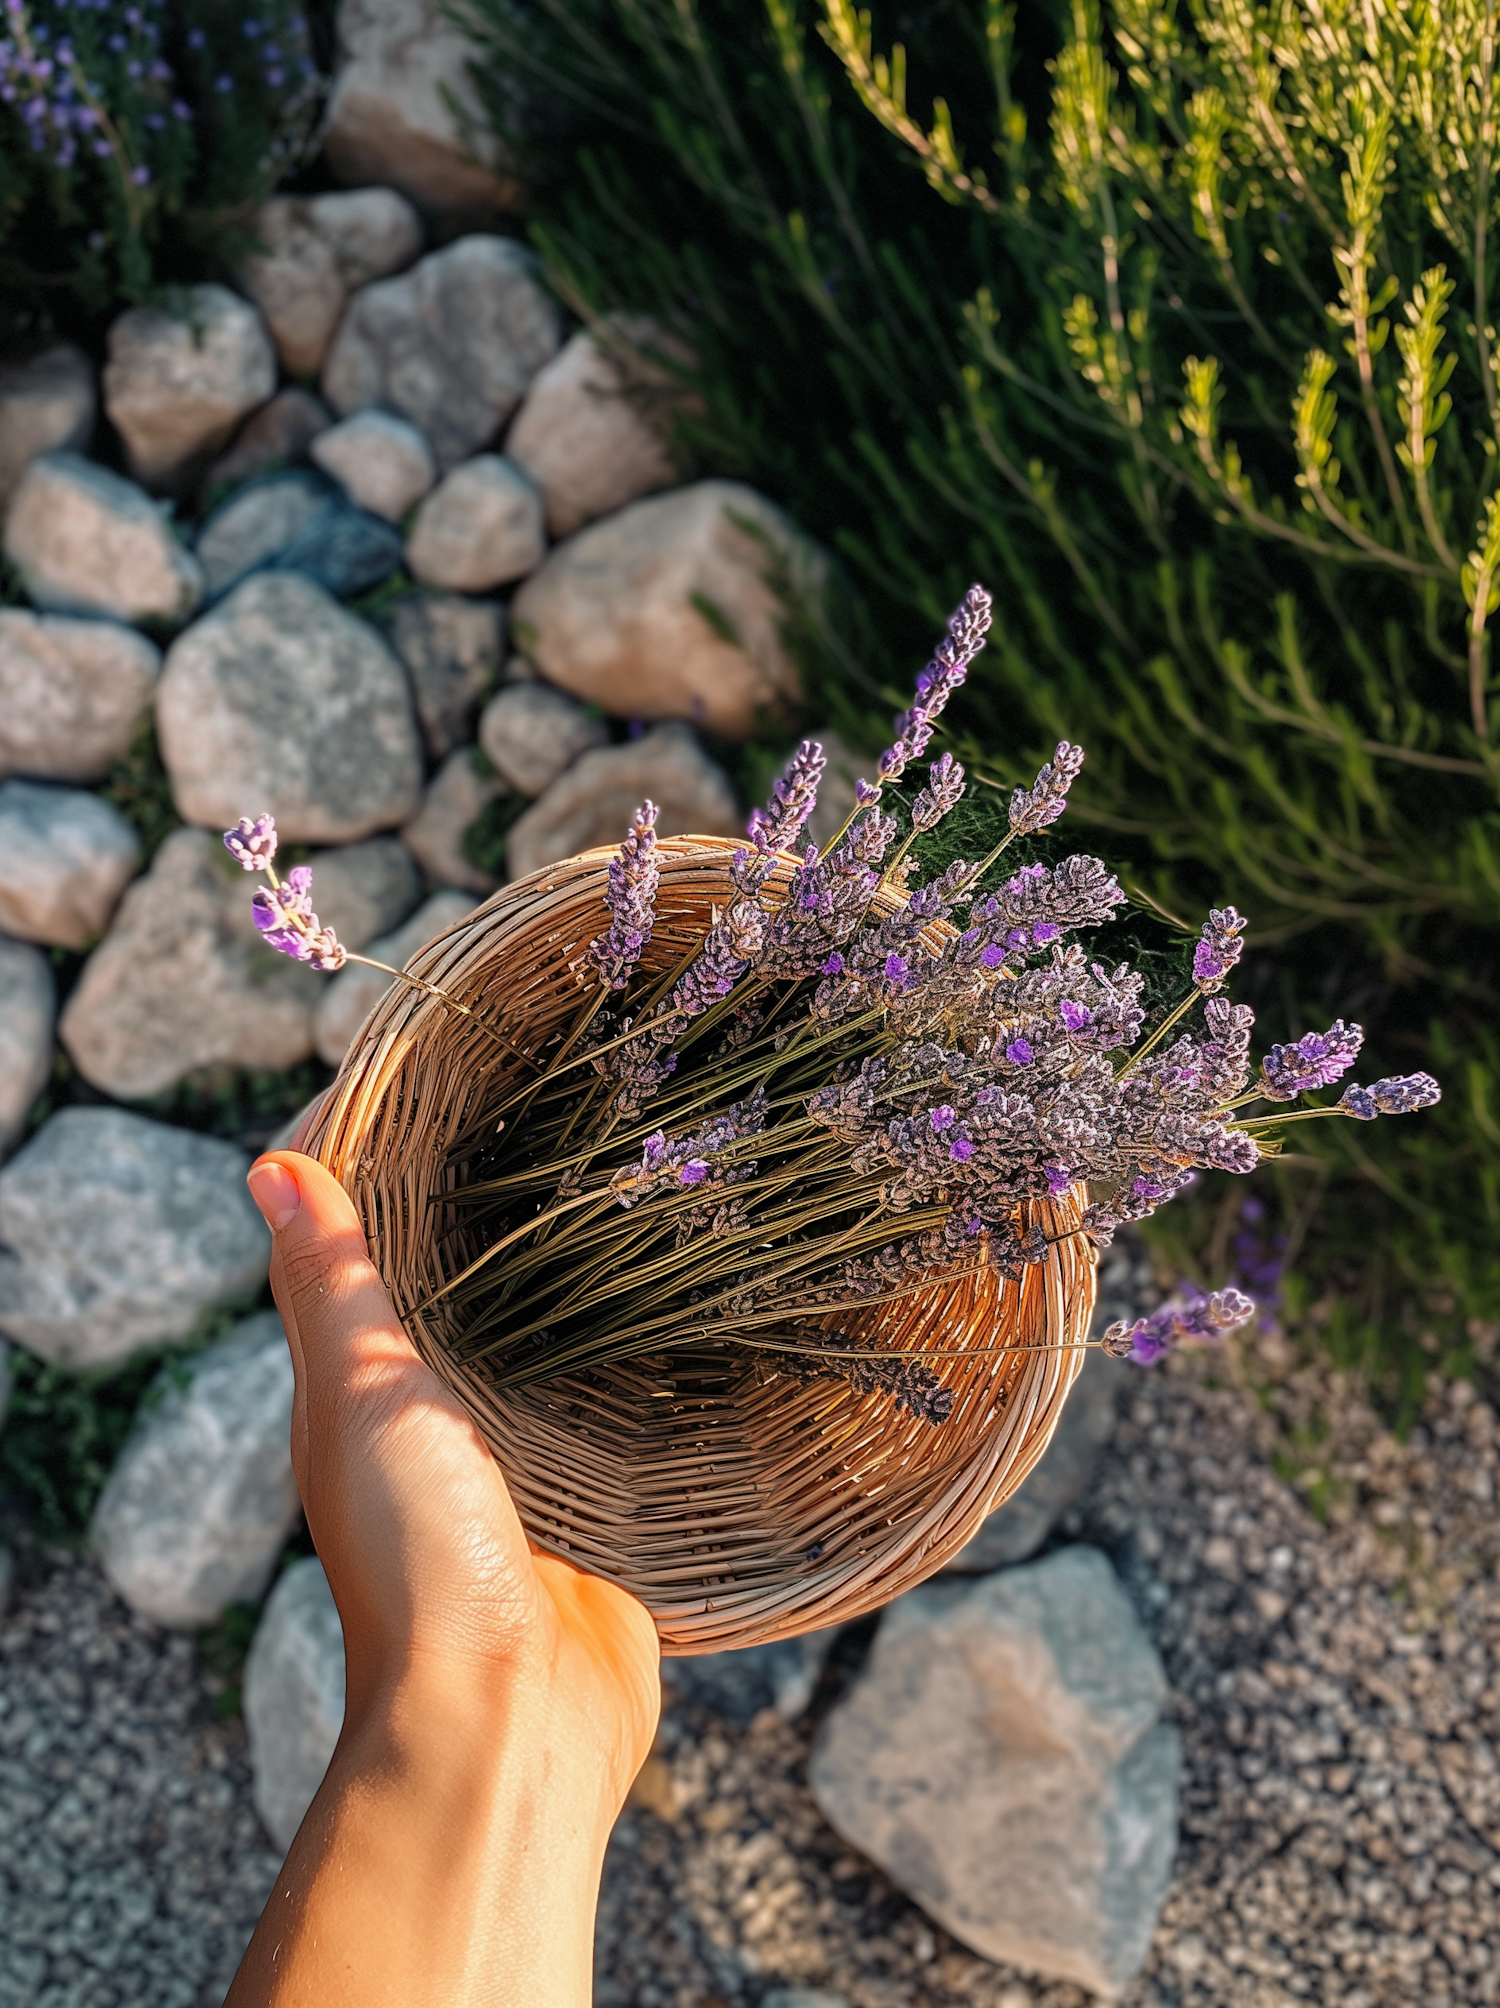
(201, 1498)
(530, 733)
(452, 649)
(45, 404)
(457, 796)
(1018, 1528)
(86, 541)
(451, 345)
(404, 110)
(314, 252)
(481, 527)
(592, 802)
(280, 700)
(65, 858)
(670, 609)
(293, 1696)
(1003, 1759)
(72, 694)
(182, 980)
(117, 1232)
(276, 436)
(382, 463)
(593, 430)
(180, 378)
(28, 1011)
(353, 994)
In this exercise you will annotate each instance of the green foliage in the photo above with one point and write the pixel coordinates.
(243, 1106)
(63, 1430)
(140, 789)
(136, 143)
(485, 838)
(1167, 359)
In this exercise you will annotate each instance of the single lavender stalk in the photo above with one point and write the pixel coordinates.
(631, 899)
(945, 673)
(1043, 802)
(1219, 948)
(283, 909)
(1315, 1061)
(944, 791)
(793, 799)
(1201, 1317)
(1396, 1095)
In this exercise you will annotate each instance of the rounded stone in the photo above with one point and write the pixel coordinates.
(314, 251)
(353, 994)
(530, 733)
(382, 463)
(592, 803)
(72, 694)
(457, 796)
(28, 1012)
(178, 381)
(86, 541)
(276, 436)
(281, 700)
(480, 528)
(452, 649)
(293, 1696)
(255, 526)
(65, 858)
(46, 404)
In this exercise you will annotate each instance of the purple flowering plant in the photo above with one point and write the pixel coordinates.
(853, 1085)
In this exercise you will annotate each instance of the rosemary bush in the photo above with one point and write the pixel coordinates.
(136, 142)
(1196, 358)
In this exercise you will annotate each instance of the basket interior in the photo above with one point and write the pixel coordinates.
(739, 1504)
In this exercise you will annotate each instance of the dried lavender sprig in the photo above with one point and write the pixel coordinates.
(631, 899)
(1201, 1317)
(967, 628)
(252, 842)
(1219, 948)
(944, 791)
(1043, 802)
(1316, 1060)
(793, 799)
(1396, 1095)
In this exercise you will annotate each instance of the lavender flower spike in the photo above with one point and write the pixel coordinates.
(944, 790)
(793, 799)
(1043, 802)
(1219, 948)
(1315, 1061)
(938, 681)
(631, 899)
(1150, 1339)
(252, 842)
(1397, 1095)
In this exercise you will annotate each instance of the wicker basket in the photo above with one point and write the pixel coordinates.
(751, 1507)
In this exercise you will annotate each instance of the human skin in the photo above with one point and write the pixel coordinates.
(499, 1701)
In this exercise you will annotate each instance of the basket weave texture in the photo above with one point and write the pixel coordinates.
(748, 1506)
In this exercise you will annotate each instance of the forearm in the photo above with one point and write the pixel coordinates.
(451, 1857)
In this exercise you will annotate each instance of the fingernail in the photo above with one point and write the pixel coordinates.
(276, 1192)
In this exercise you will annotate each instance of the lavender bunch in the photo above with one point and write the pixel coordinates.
(854, 1085)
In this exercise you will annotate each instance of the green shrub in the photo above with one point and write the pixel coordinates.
(1149, 371)
(136, 142)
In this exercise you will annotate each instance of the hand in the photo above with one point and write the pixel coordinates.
(499, 1703)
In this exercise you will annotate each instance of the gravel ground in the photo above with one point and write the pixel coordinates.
(1337, 1682)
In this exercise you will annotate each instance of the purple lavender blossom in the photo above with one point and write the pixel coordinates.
(793, 799)
(1020, 1052)
(1219, 948)
(1043, 802)
(1316, 1060)
(944, 791)
(1201, 1318)
(252, 842)
(1396, 1095)
(1076, 1017)
(938, 681)
(631, 899)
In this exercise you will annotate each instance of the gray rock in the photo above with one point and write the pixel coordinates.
(738, 1685)
(45, 404)
(451, 345)
(804, 1997)
(255, 526)
(117, 1232)
(480, 527)
(593, 428)
(452, 649)
(6, 1377)
(280, 700)
(382, 463)
(28, 1012)
(404, 110)
(667, 609)
(346, 551)
(178, 382)
(364, 890)
(316, 251)
(293, 1696)
(353, 994)
(456, 798)
(531, 732)
(1003, 1760)
(1019, 1527)
(183, 981)
(65, 858)
(86, 541)
(593, 802)
(201, 1498)
(72, 694)
(276, 436)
